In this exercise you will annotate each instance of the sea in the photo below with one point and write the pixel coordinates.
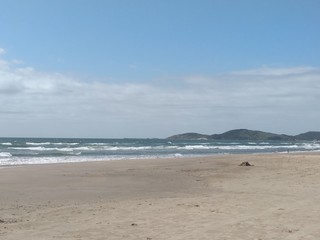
(20, 151)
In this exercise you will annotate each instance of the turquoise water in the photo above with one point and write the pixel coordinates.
(16, 151)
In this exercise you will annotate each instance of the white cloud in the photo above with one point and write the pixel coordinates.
(2, 51)
(133, 66)
(34, 103)
(268, 71)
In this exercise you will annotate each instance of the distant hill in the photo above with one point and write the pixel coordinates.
(245, 134)
(309, 136)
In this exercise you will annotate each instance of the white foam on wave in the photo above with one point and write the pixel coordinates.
(68, 144)
(306, 146)
(7, 144)
(64, 159)
(29, 148)
(253, 147)
(5, 155)
(195, 147)
(38, 144)
(42, 149)
(201, 147)
(43, 160)
(178, 155)
(97, 144)
(127, 148)
(51, 143)
(85, 148)
(311, 146)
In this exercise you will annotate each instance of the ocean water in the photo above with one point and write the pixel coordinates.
(17, 151)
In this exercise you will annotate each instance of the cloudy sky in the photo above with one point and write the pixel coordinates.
(144, 68)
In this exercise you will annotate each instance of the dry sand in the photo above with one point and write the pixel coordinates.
(186, 198)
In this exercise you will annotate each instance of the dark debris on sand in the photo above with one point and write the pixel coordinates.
(246, 164)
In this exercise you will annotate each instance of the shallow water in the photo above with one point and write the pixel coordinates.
(16, 151)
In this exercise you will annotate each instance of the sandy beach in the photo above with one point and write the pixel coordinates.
(182, 198)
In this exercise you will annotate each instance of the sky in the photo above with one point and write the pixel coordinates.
(147, 68)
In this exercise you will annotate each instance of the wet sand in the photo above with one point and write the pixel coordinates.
(182, 198)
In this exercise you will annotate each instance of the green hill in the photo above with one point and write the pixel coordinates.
(250, 135)
(245, 134)
(308, 136)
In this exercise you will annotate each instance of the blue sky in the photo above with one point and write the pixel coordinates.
(149, 68)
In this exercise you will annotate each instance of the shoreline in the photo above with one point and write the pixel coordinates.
(315, 152)
(208, 197)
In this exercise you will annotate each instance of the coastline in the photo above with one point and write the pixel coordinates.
(43, 151)
(152, 158)
(180, 198)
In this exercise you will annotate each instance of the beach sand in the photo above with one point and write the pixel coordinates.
(182, 198)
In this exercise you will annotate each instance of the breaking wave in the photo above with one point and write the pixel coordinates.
(30, 151)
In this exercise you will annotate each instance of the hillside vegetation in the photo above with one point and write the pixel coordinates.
(245, 134)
